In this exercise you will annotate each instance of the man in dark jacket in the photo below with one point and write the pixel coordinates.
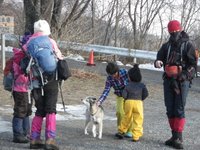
(177, 56)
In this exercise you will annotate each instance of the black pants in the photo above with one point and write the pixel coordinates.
(21, 106)
(46, 103)
(175, 103)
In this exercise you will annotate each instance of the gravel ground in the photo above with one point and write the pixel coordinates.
(70, 133)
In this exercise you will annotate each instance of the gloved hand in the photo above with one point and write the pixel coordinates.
(187, 75)
(191, 73)
(158, 64)
(182, 76)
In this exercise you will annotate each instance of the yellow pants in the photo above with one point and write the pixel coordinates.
(133, 115)
(120, 113)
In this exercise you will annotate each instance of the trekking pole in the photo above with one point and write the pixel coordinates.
(62, 96)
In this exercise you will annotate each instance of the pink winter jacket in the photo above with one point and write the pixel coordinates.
(55, 46)
(21, 81)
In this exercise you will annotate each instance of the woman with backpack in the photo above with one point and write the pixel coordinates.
(44, 51)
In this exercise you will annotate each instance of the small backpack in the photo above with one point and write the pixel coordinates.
(8, 78)
(63, 70)
(197, 55)
(197, 59)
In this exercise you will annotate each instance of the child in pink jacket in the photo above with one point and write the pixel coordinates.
(22, 104)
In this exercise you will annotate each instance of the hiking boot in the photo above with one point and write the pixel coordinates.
(170, 142)
(119, 135)
(36, 144)
(51, 144)
(176, 141)
(128, 135)
(20, 139)
(134, 140)
(178, 144)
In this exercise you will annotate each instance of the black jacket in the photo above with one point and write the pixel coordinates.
(187, 60)
(135, 91)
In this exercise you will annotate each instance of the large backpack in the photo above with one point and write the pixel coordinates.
(8, 78)
(40, 64)
(197, 59)
(41, 49)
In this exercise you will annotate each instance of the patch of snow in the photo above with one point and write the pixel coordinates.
(129, 65)
(75, 57)
(119, 63)
(150, 67)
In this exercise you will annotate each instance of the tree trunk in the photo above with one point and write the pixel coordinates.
(55, 21)
(31, 14)
(93, 21)
(1, 2)
(46, 10)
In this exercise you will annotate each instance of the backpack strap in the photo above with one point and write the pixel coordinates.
(28, 70)
(183, 46)
(29, 65)
(168, 52)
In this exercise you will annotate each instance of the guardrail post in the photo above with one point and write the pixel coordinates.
(3, 50)
(134, 60)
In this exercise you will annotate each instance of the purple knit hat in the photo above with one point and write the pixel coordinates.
(25, 38)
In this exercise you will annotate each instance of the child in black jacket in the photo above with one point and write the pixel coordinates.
(134, 94)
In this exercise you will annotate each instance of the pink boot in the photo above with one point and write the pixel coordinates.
(36, 127)
(50, 132)
(50, 126)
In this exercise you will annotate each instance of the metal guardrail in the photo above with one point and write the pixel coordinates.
(150, 55)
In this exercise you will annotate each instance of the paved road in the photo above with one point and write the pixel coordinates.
(149, 76)
(70, 133)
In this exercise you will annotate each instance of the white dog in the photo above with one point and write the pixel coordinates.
(93, 114)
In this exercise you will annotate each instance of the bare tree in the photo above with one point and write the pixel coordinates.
(145, 12)
(1, 2)
(120, 9)
(51, 11)
(106, 23)
(190, 11)
(32, 13)
(93, 20)
(77, 10)
(109, 23)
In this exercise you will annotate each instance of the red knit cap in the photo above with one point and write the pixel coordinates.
(174, 26)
